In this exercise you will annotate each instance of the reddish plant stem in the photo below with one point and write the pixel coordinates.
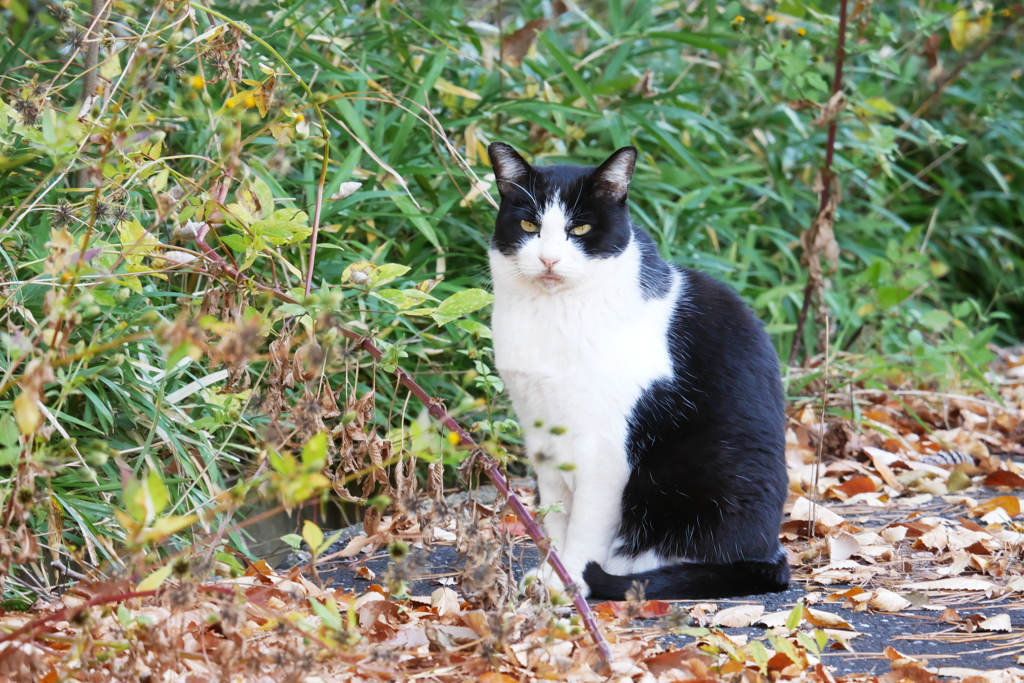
(533, 528)
(827, 175)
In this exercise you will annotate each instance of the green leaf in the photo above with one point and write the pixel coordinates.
(795, 617)
(390, 353)
(283, 464)
(793, 8)
(236, 242)
(277, 230)
(890, 296)
(578, 84)
(936, 320)
(388, 272)
(314, 453)
(461, 303)
(474, 328)
(293, 540)
(416, 216)
(328, 612)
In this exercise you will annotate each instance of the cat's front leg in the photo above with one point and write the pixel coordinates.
(556, 499)
(594, 519)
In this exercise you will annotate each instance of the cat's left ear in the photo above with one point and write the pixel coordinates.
(611, 179)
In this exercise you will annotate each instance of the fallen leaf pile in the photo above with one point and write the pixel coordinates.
(908, 506)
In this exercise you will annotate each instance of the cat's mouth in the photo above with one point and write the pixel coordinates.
(549, 279)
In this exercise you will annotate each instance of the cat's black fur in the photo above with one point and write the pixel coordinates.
(706, 449)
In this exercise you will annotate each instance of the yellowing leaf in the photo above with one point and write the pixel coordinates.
(444, 86)
(166, 526)
(939, 269)
(965, 31)
(155, 580)
(312, 535)
(136, 241)
(879, 105)
(111, 66)
(958, 30)
(27, 414)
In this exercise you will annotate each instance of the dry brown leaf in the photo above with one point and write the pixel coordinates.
(445, 601)
(515, 45)
(774, 619)
(842, 546)
(887, 601)
(495, 677)
(804, 509)
(824, 619)
(1000, 622)
(739, 616)
(1010, 504)
(953, 584)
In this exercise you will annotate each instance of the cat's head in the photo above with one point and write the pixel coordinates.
(556, 223)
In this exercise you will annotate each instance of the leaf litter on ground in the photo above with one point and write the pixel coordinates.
(915, 508)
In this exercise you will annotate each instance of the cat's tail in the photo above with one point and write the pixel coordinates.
(693, 581)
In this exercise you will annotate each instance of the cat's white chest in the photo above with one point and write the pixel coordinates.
(575, 362)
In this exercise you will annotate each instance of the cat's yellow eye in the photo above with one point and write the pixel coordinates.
(580, 230)
(528, 226)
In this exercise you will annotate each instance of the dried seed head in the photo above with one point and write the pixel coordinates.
(74, 40)
(64, 14)
(26, 496)
(677, 619)
(101, 212)
(121, 214)
(398, 550)
(81, 618)
(181, 568)
(63, 214)
(28, 109)
(182, 596)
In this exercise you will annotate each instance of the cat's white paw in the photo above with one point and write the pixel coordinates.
(545, 577)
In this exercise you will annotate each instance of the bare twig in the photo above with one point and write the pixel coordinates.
(821, 440)
(827, 203)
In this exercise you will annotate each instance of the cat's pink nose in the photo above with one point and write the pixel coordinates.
(549, 262)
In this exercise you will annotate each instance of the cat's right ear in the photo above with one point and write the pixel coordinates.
(510, 169)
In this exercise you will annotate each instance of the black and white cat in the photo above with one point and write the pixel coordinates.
(649, 395)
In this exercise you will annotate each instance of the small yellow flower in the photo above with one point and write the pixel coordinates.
(299, 118)
(769, 19)
(1007, 13)
(801, 31)
(738, 20)
(150, 118)
(197, 82)
(250, 101)
(784, 43)
(231, 102)
(454, 438)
